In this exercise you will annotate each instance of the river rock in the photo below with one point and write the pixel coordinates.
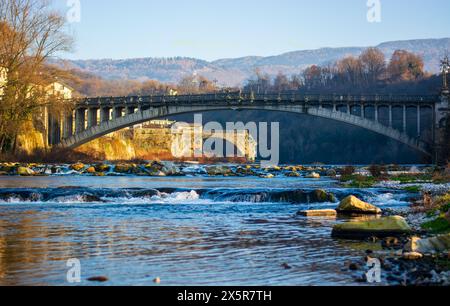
(267, 176)
(412, 256)
(331, 173)
(77, 167)
(218, 170)
(438, 244)
(313, 175)
(318, 213)
(90, 170)
(353, 205)
(380, 227)
(25, 171)
(102, 168)
(293, 174)
(170, 169)
(123, 168)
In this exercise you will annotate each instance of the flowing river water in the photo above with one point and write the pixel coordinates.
(184, 230)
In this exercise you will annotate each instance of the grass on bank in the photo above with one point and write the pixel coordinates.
(440, 208)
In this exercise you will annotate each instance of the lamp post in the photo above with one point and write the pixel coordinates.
(445, 64)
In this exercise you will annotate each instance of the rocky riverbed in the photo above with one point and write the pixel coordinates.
(351, 214)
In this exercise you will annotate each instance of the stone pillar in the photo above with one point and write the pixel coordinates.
(349, 109)
(419, 128)
(130, 110)
(376, 112)
(68, 126)
(105, 114)
(92, 117)
(54, 132)
(404, 118)
(80, 119)
(117, 112)
(390, 116)
(363, 111)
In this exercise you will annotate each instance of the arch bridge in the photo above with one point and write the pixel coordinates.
(388, 115)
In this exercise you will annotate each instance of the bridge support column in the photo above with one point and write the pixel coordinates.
(105, 114)
(376, 112)
(419, 128)
(117, 113)
(404, 118)
(92, 117)
(363, 111)
(130, 110)
(390, 116)
(54, 129)
(80, 118)
(68, 126)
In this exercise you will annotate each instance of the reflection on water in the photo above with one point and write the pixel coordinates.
(183, 244)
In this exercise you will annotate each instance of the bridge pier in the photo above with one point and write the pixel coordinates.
(54, 129)
(92, 117)
(80, 118)
(130, 110)
(105, 114)
(404, 119)
(391, 117)
(117, 112)
(68, 126)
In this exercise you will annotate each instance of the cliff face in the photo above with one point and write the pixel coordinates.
(129, 145)
(30, 140)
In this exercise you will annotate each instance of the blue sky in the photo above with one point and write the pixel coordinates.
(210, 29)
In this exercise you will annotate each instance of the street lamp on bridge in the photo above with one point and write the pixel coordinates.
(445, 64)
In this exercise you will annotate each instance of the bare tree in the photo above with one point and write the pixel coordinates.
(373, 64)
(30, 33)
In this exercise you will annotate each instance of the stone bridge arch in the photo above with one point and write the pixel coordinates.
(162, 111)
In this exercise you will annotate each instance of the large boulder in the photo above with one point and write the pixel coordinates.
(380, 227)
(353, 205)
(438, 244)
(25, 171)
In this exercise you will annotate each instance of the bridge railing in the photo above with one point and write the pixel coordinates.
(248, 97)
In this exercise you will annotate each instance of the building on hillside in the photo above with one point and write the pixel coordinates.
(3, 79)
(59, 89)
(53, 125)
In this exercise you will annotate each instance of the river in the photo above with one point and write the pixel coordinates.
(185, 230)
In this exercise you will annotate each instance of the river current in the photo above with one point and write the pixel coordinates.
(184, 230)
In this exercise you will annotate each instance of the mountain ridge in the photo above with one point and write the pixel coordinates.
(235, 71)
